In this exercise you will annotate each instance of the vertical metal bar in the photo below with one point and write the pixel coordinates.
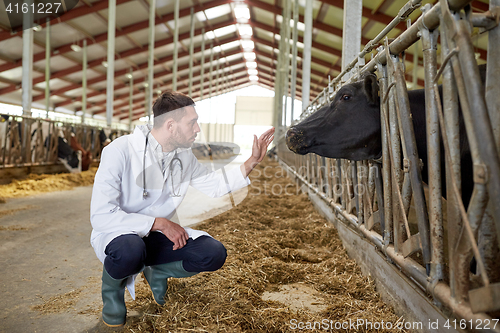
(351, 33)
(27, 81)
(47, 66)
(385, 189)
(481, 122)
(217, 77)
(191, 52)
(450, 110)
(491, 88)
(411, 148)
(27, 69)
(84, 81)
(286, 63)
(395, 138)
(278, 95)
(176, 41)
(294, 54)
(151, 60)
(202, 64)
(306, 60)
(110, 77)
(429, 47)
(415, 66)
(130, 98)
(210, 89)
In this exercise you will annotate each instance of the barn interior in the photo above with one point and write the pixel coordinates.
(95, 67)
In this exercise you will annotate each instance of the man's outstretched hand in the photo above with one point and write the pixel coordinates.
(259, 150)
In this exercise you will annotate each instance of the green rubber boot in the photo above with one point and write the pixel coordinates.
(114, 312)
(157, 278)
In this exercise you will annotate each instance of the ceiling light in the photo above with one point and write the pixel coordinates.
(247, 45)
(128, 76)
(245, 30)
(209, 35)
(159, 92)
(242, 12)
(37, 28)
(249, 56)
(253, 72)
(253, 78)
(77, 48)
(251, 64)
(105, 64)
(145, 84)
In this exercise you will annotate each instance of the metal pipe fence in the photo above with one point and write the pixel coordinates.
(430, 239)
(41, 141)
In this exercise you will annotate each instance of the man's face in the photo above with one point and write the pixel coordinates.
(186, 129)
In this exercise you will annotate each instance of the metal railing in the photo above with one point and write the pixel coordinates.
(388, 204)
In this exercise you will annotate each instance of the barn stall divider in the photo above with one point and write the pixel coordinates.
(431, 241)
(30, 145)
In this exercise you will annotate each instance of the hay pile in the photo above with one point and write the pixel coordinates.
(273, 241)
(36, 184)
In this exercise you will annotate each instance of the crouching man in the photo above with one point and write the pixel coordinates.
(141, 180)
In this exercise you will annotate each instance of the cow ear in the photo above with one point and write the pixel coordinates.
(370, 86)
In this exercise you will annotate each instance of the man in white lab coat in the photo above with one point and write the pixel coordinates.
(141, 180)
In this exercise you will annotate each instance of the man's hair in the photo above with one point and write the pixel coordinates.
(170, 104)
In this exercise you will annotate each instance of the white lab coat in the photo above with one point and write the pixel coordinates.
(118, 206)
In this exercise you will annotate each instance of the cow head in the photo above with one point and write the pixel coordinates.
(349, 127)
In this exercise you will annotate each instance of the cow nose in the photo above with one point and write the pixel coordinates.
(291, 132)
(292, 138)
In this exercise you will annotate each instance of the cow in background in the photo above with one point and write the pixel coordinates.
(86, 158)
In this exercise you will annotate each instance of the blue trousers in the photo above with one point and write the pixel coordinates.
(128, 254)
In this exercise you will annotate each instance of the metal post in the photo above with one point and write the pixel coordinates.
(191, 51)
(151, 60)
(386, 169)
(481, 122)
(176, 41)
(217, 76)
(202, 70)
(130, 97)
(84, 81)
(47, 66)
(27, 76)
(493, 104)
(111, 61)
(306, 54)
(411, 149)
(351, 34)
(415, 66)
(294, 54)
(210, 88)
(27, 82)
(429, 47)
(450, 110)
(286, 63)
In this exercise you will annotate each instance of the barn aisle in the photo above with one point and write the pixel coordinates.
(50, 276)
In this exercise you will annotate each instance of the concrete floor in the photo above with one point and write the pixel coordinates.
(45, 252)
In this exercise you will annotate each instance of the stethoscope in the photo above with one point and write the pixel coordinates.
(175, 161)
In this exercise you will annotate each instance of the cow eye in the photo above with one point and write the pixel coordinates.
(345, 97)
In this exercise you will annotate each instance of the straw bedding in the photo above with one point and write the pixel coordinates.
(285, 265)
(275, 244)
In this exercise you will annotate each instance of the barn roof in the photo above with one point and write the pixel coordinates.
(242, 34)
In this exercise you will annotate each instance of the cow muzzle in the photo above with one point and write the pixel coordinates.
(295, 141)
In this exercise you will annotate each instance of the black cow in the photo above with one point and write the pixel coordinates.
(349, 127)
